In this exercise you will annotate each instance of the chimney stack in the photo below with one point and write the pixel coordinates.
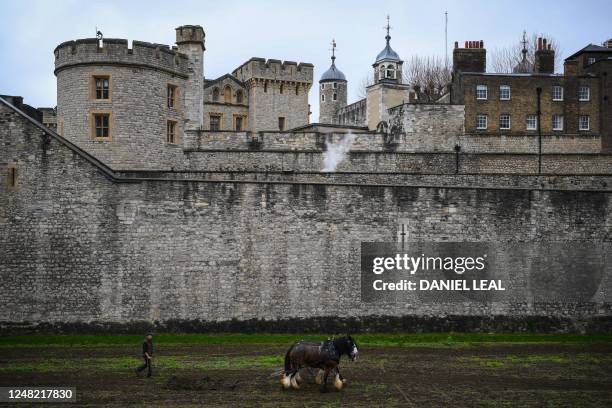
(544, 57)
(471, 58)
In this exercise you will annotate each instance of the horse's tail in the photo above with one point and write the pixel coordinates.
(288, 364)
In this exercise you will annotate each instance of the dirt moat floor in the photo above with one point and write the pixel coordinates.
(522, 375)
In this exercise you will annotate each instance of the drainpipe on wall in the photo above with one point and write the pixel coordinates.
(539, 113)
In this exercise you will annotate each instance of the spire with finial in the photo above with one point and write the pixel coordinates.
(387, 53)
(333, 50)
(523, 66)
(388, 27)
(524, 42)
(333, 73)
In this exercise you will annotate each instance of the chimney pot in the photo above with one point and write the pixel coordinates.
(539, 43)
(544, 43)
(466, 44)
(481, 44)
(456, 44)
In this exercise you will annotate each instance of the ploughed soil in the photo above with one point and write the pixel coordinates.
(524, 375)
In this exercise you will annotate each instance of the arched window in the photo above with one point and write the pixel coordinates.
(322, 98)
(381, 72)
(390, 72)
(227, 94)
(215, 95)
(281, 88)
(239, 96)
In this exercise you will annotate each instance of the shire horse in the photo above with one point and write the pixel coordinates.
(324, 356)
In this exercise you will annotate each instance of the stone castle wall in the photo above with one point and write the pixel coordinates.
(80, 244)
(399, 162)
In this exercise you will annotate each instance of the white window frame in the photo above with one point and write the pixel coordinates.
(323, 86)
(591, 60)
(486, 121)
(509, 122)
(553, 93)
(588, 123)
(484, 88)
(588, 93)
(535, 122)
(504, 87)
(322, 97)
(335, 85)
(561, 120)
(334, 96)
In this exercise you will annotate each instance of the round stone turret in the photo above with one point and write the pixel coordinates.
(129, 106)
(332, 92)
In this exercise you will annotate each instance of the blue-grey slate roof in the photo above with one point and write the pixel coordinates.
(333, 74)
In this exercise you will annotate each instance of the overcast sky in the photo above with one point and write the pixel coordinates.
(285, 30)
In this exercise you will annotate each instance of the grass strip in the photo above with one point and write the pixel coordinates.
(369, 340)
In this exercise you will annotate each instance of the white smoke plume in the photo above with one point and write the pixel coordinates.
(336, 152)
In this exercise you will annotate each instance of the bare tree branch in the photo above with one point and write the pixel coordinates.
(363, 84)
(504, 59)
(428, 76)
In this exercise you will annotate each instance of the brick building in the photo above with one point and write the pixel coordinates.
(533, 99)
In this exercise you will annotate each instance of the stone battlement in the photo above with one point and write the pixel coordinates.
(113, 51)
(274, 69)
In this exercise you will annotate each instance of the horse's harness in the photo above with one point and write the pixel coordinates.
(328, 348)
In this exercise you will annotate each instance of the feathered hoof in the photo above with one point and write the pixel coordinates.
(294, 384)
(319, 377)
(285, 381)
(338, 383)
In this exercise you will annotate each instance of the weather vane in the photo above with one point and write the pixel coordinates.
(333, 48)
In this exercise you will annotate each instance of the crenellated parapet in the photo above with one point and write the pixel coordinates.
(111, 51)
(275, 70)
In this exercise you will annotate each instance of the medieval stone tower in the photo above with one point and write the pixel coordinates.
(130, 106)
(332, 91)
(388, 90)
(278, 93)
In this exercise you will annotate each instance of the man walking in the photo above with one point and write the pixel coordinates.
(147, 354)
